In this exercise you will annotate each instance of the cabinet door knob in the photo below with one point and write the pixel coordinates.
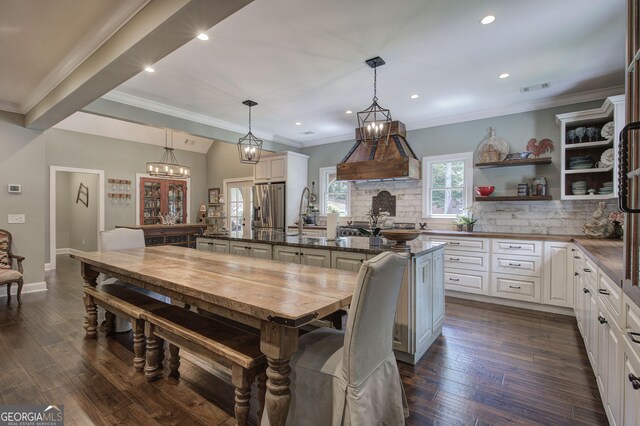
(602, 319)
(585, 290)
(576, 274)
(635, 381)
(603, 291)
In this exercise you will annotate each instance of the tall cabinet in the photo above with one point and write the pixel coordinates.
(162, 196)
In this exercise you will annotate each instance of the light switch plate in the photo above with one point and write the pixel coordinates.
(16, 218)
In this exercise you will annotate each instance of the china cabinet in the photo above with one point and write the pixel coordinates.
(162, 196)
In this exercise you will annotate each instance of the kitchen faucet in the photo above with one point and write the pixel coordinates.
(300, 218)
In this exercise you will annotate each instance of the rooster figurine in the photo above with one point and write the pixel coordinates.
(538, 148)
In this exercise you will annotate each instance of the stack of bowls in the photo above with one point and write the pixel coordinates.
(580, 163)
(579, 187)
(607, 188)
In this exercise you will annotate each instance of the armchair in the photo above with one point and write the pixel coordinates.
(8, 275)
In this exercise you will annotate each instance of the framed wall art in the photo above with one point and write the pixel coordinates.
(214, 195)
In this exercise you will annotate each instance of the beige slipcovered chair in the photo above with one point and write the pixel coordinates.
(351, 377)
(123, 239)
(8, 275)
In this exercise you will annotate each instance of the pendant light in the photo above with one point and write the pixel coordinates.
(374, 122)
(249, 147)
(168, 166)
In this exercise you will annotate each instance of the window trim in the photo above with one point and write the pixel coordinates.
(322, 188)
(467, 157)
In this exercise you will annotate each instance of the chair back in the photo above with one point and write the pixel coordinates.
(369, 336)
(5, 250)
(121, 239)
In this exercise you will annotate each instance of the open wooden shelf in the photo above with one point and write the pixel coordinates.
(515, 198)
(512, 163)
(592, 170)
(605, 143)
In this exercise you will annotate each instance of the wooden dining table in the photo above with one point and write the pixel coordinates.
(276, 298)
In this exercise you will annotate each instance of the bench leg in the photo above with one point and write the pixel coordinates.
(152, 370)
(161, 353)
(91, 323)
(262, 389)
(110, 323)
(174, 361)
(242, 379)
(138, 344)
(8, 293)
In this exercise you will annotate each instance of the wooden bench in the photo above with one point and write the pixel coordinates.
(235, 349)
(123, 302)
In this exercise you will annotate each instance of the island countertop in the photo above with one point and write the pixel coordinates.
(350, 244)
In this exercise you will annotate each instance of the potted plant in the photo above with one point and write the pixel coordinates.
(458, 222)
(374, 230)
(466, 221)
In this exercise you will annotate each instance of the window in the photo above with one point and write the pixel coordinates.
(238, 192)
(333, 194)
(447, 182)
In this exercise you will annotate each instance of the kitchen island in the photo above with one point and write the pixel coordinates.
(420, 311)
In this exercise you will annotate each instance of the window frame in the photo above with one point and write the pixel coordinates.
(427, 162)
(322, 188)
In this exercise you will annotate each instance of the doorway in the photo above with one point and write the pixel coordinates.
(76, 211)
(238, 198)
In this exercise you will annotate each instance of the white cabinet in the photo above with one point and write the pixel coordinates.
(466, 281)
(305, 256)
(347, 261)
(515, 287)
(286, 254)
(557, 287)
(631, 389)
(216, 246)
(524, 247)
(516, 264)
(271, 169)
(254, 250)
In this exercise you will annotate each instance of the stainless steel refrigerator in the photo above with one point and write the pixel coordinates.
(269, 206)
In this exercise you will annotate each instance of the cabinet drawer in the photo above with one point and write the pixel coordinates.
(520, 265)
(516, 287)
(611, 295)
(578, 257)
(468, 244)
(466, 260)
(528, 248)
(590, 273)
(632, 325)
(465, 281)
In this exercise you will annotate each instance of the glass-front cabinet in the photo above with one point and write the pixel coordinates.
(162, 196)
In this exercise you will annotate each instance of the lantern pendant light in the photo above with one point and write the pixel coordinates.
(168, 166)
(374, 122)
(249, 147)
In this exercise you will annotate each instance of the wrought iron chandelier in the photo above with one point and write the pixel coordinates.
(168, 166)
(374, 122)
(249, 147)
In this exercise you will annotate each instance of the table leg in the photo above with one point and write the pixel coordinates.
(91, 322)
(278, 343)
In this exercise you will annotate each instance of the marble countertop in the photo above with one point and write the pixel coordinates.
(350, 244)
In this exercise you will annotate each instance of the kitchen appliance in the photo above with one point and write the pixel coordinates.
(269, 207)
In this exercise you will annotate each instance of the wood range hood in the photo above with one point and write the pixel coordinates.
(394, 160)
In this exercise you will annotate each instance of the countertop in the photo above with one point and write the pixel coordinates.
(350, 244)
(159, 226)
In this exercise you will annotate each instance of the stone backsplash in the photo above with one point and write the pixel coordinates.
(535, 217)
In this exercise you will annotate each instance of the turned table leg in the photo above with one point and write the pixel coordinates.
(91, 322)
(138, 344)
(174, 361)
(278, 343)
(152, 370)
(241, 379)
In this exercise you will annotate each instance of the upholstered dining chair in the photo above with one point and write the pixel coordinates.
(8, 275)
(351, 377)
(123, 239)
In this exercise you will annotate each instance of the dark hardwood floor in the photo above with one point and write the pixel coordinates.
(493, 365)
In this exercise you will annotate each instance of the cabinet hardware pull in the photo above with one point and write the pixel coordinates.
(361, 260)
(576, 257)
(603, 291)
(633, 336)
(573, 249)
(515, 264)
(454, 243)
(301, 254)
(602, 319)
(587, 270)
(635, 381)
(515, 247)
(585, 290)
(454, 279)
(515, 286)
(576, 274)
(454, 258)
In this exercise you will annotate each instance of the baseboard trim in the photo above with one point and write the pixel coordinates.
(27, 288)
(513, 303)
(48, 267)
(62, 250)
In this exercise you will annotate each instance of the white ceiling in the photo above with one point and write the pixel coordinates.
(303, 61)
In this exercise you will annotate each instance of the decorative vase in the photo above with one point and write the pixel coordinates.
(460, 227)
(375, 241)
(469, 227)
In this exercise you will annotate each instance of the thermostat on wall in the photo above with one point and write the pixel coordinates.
(15, 188)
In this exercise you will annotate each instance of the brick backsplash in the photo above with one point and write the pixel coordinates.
(535, 217)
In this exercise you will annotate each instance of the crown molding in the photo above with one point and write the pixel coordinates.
(81, 52)
(10, 107)
(161, 108)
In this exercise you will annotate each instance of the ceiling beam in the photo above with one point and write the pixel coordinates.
(157, 30)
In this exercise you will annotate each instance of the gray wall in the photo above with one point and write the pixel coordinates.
(63, 208)
(516, 129)
(78, 223)
(21, 161)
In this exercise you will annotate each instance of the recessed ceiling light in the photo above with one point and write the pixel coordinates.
(149, 69)
(487, 19)
(504, 75)
(203, 37)
(415, 96)
(298, 124)
(348, 111)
